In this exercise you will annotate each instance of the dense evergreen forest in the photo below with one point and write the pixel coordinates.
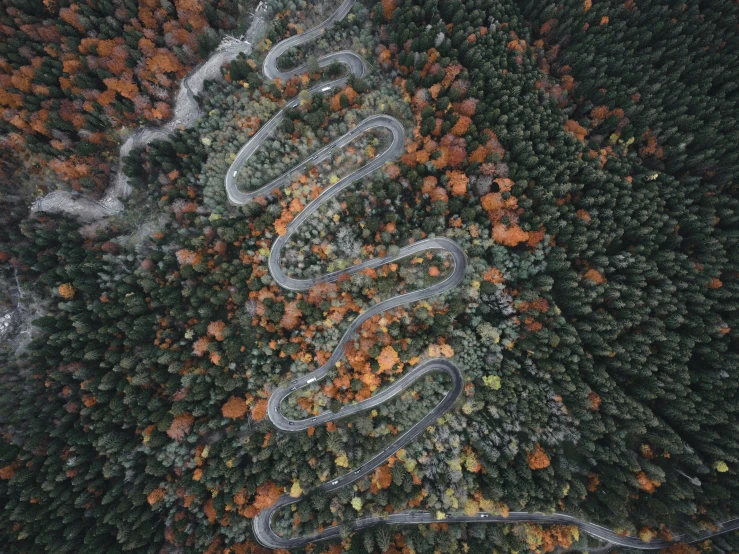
(582, 153)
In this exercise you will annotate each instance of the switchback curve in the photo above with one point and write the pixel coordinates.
(262, 523)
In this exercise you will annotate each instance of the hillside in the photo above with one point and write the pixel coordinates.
(441, 277)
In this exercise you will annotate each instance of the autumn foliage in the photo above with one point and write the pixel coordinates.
(180, 426)
(595, 276)
(155, 496)
(388, 358)
(267, 495)
(509, 235)
(215, 329)
(7, 472)
(538, 459)
(458, 182)
(646, 483)
(576, 129)
(259, 411)
(66, 290)
(388, 7)
(234, 408)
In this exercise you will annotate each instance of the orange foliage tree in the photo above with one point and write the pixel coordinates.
(388, 7)
(510, 235)
(538, 459)
(388, 358)
(180, 426)
(259, 411)
(458, 182)
(234, 408)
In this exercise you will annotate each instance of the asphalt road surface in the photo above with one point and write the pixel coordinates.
(262, 523)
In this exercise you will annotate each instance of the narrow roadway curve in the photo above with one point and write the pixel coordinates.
(262, 523)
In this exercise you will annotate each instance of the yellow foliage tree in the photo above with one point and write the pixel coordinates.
(295, 490)
(66, 290)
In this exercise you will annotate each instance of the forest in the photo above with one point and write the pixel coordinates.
(581, 153)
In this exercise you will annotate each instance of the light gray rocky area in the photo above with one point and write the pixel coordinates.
(16, 324)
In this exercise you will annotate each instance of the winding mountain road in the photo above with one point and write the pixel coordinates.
(262, 523)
